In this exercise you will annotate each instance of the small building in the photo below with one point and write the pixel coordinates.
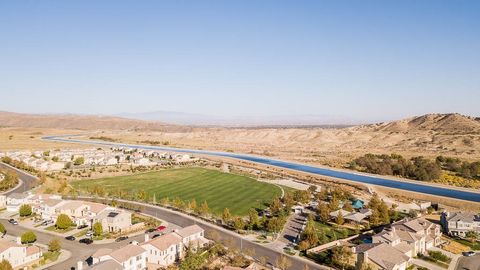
(357, 204)
(130, 257)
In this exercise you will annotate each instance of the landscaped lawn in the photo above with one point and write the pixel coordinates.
(54, 229)
(333, 233)
(220, 190)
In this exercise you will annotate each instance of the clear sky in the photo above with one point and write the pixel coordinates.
(362, 59)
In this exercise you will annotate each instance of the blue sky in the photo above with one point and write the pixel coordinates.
(364, 59)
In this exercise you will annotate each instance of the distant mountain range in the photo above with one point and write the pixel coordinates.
(192, 119)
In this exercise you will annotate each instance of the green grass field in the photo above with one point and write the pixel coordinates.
(220, 190)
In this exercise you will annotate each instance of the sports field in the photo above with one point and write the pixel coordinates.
(220, 190)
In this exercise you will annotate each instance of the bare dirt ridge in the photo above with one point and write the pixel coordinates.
(81, 122)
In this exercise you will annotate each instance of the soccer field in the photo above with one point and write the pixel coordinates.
(220, 190)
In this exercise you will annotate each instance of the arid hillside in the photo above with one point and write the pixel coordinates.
(429, 135)
(81, 122)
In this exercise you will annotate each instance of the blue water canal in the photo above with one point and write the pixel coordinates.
(379, 181)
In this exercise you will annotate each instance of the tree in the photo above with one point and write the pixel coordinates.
(276, 206)
(54, 245)
(238, 223)
(2, 229)
(142, 195)
(5, 265)
(341, 255)
(348, 206)
(384, 213)
(226, 216)
(323, 212)
(203, 210)
(472, 236)
(192, 205)
(79, 161)
(310, 232)
(334, 203)
(274, 224)
(28, 237)
(63, 222)
(253, 219)
(339, 219)
(25, 210)
(375, 218)
(97, 229)
(303, 245)
(283, 262)
(192, 261)
(288, 200)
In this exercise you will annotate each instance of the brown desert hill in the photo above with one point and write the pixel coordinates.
(452, 123)
(82, 122)
(428, 135)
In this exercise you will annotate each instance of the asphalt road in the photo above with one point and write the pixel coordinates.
(82, 251)
(225, 236)
(79, 251)
(28, 180)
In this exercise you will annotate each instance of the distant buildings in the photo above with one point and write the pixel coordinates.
(460, 223)
(60, 159)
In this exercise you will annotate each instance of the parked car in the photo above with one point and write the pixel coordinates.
(89, 234)
(156, 235)
(70, 238)
(82, 227)
(161, 228)
(468, 253)
(13, 221)
(86, 241)
(150, 230)
(121, 238)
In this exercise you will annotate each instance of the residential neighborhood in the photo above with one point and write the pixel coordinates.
(56, 160)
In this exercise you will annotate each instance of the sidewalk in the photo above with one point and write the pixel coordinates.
(428, 265)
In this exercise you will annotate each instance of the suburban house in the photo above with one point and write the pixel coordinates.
(393, 247)
(166, 249)
(130, 257)
(19, 255)
(459, 223)
(380, 256)
(114, 220)
(15, 200)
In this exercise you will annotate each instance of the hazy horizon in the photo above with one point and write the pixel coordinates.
(361, 61)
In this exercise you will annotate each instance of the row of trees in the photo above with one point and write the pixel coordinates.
(418, 168)
(18, 164)
(465, 169)
(9, 181)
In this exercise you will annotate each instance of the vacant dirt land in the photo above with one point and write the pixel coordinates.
(14, 139)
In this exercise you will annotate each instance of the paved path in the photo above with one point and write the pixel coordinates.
(27, 180)
(426, 264)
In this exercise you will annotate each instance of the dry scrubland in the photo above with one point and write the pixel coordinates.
(30, 139)
(429, 135)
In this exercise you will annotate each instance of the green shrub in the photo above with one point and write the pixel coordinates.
(28, 237)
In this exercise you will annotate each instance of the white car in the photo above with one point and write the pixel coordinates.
(89, 234)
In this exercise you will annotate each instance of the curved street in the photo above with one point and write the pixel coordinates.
(81, 252)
